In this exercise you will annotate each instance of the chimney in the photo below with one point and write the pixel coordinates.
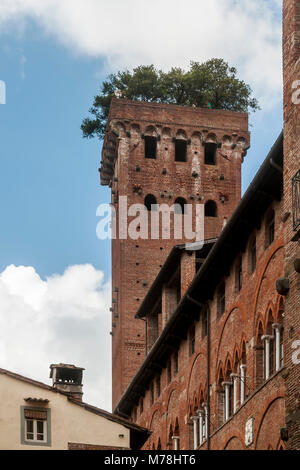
(67, 378)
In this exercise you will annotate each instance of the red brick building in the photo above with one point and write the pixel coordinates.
(219, 323)
(163, 154)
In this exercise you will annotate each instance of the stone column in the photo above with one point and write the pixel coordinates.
(195, 427)
(267, 339)
(243, 383)
(201, 421)
(176, 440)
(277, 327)
(206, 420)
(226, 386)
(235, 378)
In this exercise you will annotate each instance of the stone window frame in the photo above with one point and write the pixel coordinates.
(46, 443)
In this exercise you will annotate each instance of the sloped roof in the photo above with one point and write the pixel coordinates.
(141, 434)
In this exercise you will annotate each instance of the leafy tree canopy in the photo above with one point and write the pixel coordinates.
(213, 82)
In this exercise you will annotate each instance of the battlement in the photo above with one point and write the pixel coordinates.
(133, 120)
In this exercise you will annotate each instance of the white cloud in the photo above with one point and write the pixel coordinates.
(64, 318)
(170, 32)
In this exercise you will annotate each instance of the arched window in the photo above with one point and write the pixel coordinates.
(210, 209)
(180, 206)
(150, 203)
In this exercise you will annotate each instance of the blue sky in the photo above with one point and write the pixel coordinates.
(49, 184)
(53, 55)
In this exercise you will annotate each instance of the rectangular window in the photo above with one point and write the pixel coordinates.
(150, 147)
(35, 431)
(180, 150)
(35, 426)
(271, 232)
(270, 229)
(210, 153)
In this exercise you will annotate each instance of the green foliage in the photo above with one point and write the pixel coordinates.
(213, 82)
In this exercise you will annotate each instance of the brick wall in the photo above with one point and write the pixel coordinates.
(234, 339)
(291, 68)
(135, 263)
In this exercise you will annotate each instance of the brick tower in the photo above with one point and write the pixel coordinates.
(163, 154)
(291, 199)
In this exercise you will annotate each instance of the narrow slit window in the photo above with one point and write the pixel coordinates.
(180, 150)
(253, 256)
(221, 299)
(192, 341)
(150, 147)
(152, 393)
(205, 323)
(169, 371)
(239, 276)
(271, 229)
(158, 387)
(176, 363)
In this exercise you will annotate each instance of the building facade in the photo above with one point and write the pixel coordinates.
(157, 154)
(37, 416)
(221, 321)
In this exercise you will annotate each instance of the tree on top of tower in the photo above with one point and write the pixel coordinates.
(212, 84)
